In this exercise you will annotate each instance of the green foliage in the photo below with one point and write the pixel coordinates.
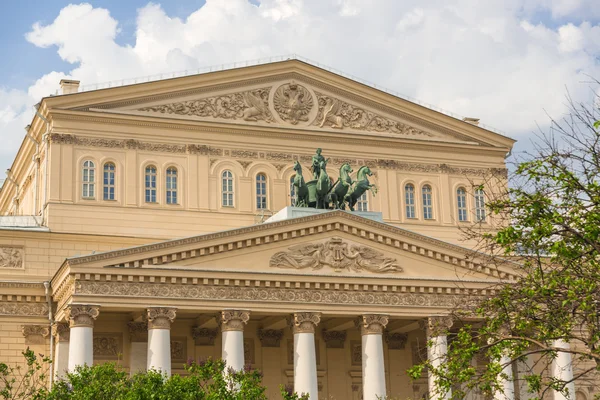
(208, 380)
(549, 234)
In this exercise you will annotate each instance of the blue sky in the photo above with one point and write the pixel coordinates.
(507, 62)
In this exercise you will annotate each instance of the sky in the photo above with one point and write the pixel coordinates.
(508, 62)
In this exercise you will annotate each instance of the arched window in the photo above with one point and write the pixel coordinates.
(150, 184)
(292, 191)
(427, 202)
(108, 188)
(171, 185)
(409, 195)
(227, 188)
(479, 204)
(261, 192)
(88, 178)
(363, 203)
(461, 203)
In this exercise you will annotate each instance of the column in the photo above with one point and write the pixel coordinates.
(232, 330)
(138, 349)
(81, 344)
(436, 330)
(305, 361)
(373, 368)
(505, 380)
(562, 369)
(61, 334)
(159, 338)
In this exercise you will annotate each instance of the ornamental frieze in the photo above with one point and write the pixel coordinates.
(293, 103)
(24, 309)
(337, 254)
(338, 114)
(11, 257)
(269, 294)
(249, 106)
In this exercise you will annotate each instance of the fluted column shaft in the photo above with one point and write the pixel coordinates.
(81, 342)
(232, 330)
(562, 369)
(305, 361)
(159, 338)
(373, 367)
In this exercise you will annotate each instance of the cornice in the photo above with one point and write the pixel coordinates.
(334, 221)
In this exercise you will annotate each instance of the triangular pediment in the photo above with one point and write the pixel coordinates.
(331, 244)
(289, 94)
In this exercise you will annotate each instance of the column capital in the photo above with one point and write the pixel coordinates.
(304, 322)
(233, 320)
(372, 324)
(39, 331)
(82, 315)
(161, 317)
(61, 331)
(138, 331)
(436, 326)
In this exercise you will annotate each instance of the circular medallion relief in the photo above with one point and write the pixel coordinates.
(293, 103)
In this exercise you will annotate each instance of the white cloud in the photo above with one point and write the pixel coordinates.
(493, 60)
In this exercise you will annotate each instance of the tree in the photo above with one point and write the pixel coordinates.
(207, 380)
(548, 232)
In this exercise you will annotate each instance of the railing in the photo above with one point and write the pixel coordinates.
(20, 221)
(262, 61)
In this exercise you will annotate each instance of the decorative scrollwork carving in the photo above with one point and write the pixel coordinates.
(204, 336)
(293, 102)
(30, 332)
(270, 337)
(161, 317)
(138, 331)
(396, 341)
(304, 322)
(334, 339)
(11, 257)
(251, 105)
(338, 114)
(372, 324)
(336, 254)
(82, 315)
(233, 320)
(107, 346)
(436, 326)
(61, 331)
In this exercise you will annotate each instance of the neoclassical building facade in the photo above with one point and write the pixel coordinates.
(151, 224)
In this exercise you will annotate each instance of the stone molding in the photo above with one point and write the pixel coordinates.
(396, 341)
(138, 331)
(204, 336)
(436, 326)
(22, 308)
(393, 237)
(161, 317)
(82, 315)
(11, 257)
(353, 295)
(334, 339)
(270, 337)
(372, 324)
(337, 254)
(233, 320)
(34, 334)
(61, 331)
(304, 322)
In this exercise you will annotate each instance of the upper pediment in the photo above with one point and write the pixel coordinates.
(289, 94)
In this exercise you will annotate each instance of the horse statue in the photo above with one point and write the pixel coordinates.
(301, 188)
(336, 197)
(361, 185)
(323, 186)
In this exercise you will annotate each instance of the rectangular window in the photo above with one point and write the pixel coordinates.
(363, 203)
(108, 184)
(461, 201)
(171, 186)
(150, 185)
(427, 203)
(480, 205)
(410, 201)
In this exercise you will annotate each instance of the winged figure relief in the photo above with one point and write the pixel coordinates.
(293, 103)
(330, 114)
(299, 256)
(257, 107)
(372, 260)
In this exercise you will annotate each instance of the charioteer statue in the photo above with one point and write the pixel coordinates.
(322, 194)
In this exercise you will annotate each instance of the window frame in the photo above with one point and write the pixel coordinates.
(427, 202)
(110, 195)
(230, 190)
(409, 205)
(293, 191)
(172, 185)
(362, 204)
(148, 188)
(462, 212)
(88, 180)
(262, 202)
(479, 200)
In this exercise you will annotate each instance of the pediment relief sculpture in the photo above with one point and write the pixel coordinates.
(337, 254)
(288, 103)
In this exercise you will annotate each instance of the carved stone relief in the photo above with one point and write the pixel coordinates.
(356, 352)
(337, 254)
(396, 341)
(293, 103)
(336, 113)
(270, 337)
(138, 331)
(11, 257)
(250, 106)
(334, 339)
(24, 309)
(107, 346)
(178, 351)
(204, 336)
(249, 353)
(61, 331)
(35, 334)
